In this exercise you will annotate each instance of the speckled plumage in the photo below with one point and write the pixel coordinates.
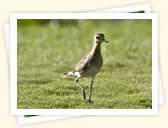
(90, 64)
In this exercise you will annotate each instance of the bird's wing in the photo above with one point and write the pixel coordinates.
(83, 64)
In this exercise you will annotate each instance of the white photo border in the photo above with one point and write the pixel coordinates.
(125, 9)
(13, 63)
(41, 118)
(147, 8)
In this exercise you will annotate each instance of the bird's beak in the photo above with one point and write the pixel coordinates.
(105, 41)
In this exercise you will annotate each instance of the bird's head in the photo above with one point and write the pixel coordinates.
(99, 38)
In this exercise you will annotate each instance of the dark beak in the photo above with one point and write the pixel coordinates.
(105, 41)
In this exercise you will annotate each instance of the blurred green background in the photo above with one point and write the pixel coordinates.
(48, 48)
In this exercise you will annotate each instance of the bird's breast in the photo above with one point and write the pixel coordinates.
(97, 60)
(94, 66)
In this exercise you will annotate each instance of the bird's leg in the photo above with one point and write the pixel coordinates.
(90, 93)
(83, 90)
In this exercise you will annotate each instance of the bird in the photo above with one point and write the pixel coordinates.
(89, 65)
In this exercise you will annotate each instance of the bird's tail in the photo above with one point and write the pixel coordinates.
(71, 73)
(67, 74)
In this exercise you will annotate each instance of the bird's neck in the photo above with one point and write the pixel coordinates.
(96, 48)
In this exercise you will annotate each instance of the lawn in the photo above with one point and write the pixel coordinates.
(49, 48)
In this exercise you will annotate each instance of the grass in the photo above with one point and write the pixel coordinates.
(48, 49)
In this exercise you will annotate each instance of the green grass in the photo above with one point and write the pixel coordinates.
(47, 50)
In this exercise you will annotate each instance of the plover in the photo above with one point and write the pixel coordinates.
(90, 64)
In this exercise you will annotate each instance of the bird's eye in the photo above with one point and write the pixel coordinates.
(97, 37)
